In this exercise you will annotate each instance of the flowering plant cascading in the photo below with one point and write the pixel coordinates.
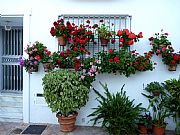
(159, 41)
(35, 55)
(127, 38)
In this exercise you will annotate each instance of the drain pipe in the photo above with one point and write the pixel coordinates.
(29, 76)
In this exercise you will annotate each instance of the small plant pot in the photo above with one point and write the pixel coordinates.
(104, 42)
(156, 93)
(66, 123)
(48, 67)
(172, 67)
(162, 46)
(62, 41)
(142, 129)
(35, 69)
(158, 130)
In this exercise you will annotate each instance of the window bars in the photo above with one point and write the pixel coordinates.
(118, 21)
(12, 49)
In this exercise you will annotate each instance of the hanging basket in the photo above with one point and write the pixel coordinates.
(104, 41)
(67, 123)
(172, 67)
(48, 67)
(34, 69)
(62, 41)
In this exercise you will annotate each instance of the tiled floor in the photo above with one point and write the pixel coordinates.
(7, 128)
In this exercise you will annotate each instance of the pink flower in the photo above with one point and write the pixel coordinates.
(164, 48)
(82, 76)
(158, 51)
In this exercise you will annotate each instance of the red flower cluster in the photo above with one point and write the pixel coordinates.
(127, 38)
(60, 29)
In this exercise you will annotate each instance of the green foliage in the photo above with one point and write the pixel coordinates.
(158, 105)
(154, 87)
(116, 112)
(64, 91)
(173, 100)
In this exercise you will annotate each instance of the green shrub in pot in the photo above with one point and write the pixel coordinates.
(155, 88)
(65, 92)
(116, 112)
(173, 101)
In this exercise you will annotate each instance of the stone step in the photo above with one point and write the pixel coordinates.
(2, 119)
(11, 115)
(11, 97)
(11, 109)
(11, 104)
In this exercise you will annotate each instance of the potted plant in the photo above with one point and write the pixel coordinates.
(47, 61)
(127, 38)
(105, 33)
(159, 41)
(65, 93)
(62, 31)
(158, 105)
(116, 112)
(173, 101)
(144, 122)
(154, 88)
(35, 55)
(171, 59)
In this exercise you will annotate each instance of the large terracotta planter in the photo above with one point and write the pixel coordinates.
(158, 130)
(66, 123)
(142, 129)
(172, 67)
(61, 41)
(104, 41)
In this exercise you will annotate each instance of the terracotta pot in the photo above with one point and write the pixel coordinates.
(158, 131)
(156, 93)
(48, 67)
(61, 41)
(172, 67)
(104, 41)
(35, 69)
(66, 123)
(162, 46)
(142, 129)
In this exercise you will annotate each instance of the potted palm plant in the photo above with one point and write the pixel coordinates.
(65, 93)
(116, 112)
(158, 105)
(154, 88)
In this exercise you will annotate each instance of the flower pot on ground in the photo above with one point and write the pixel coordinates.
(142, 129)
(67, 123)
(65, 92)
(62, 41)
(116, 112)
(158, 130)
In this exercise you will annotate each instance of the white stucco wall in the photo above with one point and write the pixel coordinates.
(147, 16)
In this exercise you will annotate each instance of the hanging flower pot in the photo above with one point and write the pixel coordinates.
(156, 93)
(33, 69)
(172, 67)
(48, 67)
(67, 123)
(104, 41)
(162, 46)
(62, 41)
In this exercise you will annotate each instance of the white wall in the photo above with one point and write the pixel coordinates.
(147, 16)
